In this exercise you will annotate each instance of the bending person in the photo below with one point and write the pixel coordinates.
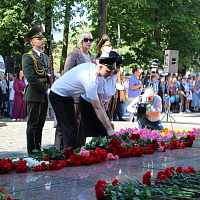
(92, 126)
(82, 79)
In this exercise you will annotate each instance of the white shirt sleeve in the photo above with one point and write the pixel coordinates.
(90, 86)
(101, 85)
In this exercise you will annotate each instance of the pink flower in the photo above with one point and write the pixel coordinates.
(162, 148)
(84, 153)
(109, 156)
(116, 157)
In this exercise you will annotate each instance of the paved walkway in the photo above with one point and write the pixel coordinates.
(77, 183)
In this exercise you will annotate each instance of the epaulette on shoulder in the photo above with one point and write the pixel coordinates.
(31, 53)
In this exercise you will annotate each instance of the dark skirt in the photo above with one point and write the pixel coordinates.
(92, 126)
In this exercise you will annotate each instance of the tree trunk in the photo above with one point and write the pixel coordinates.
(157, 34)
(102, 19)
(47, 22)
(65, 35)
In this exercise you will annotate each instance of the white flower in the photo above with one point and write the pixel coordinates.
(15, 160)
(31, 162)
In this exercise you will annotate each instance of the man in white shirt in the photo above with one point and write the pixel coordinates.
(82, 79)
(92, 126)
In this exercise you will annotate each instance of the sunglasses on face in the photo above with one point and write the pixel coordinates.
(88, 39)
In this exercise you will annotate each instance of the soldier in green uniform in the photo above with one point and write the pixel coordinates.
(36, 66)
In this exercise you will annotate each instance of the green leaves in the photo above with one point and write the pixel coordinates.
(102, 143)
(52, 153)
(148, 193)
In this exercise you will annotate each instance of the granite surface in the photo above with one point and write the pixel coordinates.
(77, 183)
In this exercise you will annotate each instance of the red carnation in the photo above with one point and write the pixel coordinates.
(166, 147)
(171, 147)
(115, 142)
(72, 160)
(100, 188)
(21, 168)
(168, 172)
(36, 168)
(179, 170)
(161, 175)
(182, 145)
(68, 152)
(190, 143)
(172, 168)
(190, 170)
(6, 166)
(147, 178)
(43, 167)
(162, 143)
(135, 136)
(46, 158)
(112, 149)
(62, 163)
(77, 163)
(114, 183)
(189, 137)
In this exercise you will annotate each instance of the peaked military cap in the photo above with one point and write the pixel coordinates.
(119, 60)
(35, 32)
(109, 62)
(105, 41)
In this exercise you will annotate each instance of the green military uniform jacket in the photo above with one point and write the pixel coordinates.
(35, 75)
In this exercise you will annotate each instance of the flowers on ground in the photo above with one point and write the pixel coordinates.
(169, 184)
(4, 195)
(128, 143)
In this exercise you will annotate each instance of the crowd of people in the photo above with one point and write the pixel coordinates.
(181, 94)
(89, 93)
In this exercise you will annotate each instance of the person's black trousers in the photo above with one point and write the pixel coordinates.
(65, 115)
(36, 112)
(92, 126)
(182, 106)
(117, 112)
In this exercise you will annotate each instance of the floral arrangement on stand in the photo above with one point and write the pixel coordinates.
(169, 184)
(127, 143)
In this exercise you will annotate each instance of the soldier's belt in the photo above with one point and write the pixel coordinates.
(44, 80)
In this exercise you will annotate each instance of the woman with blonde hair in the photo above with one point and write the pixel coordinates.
(77, 57)
(81, 54)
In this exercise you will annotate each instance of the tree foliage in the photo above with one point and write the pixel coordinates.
(148, 27)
